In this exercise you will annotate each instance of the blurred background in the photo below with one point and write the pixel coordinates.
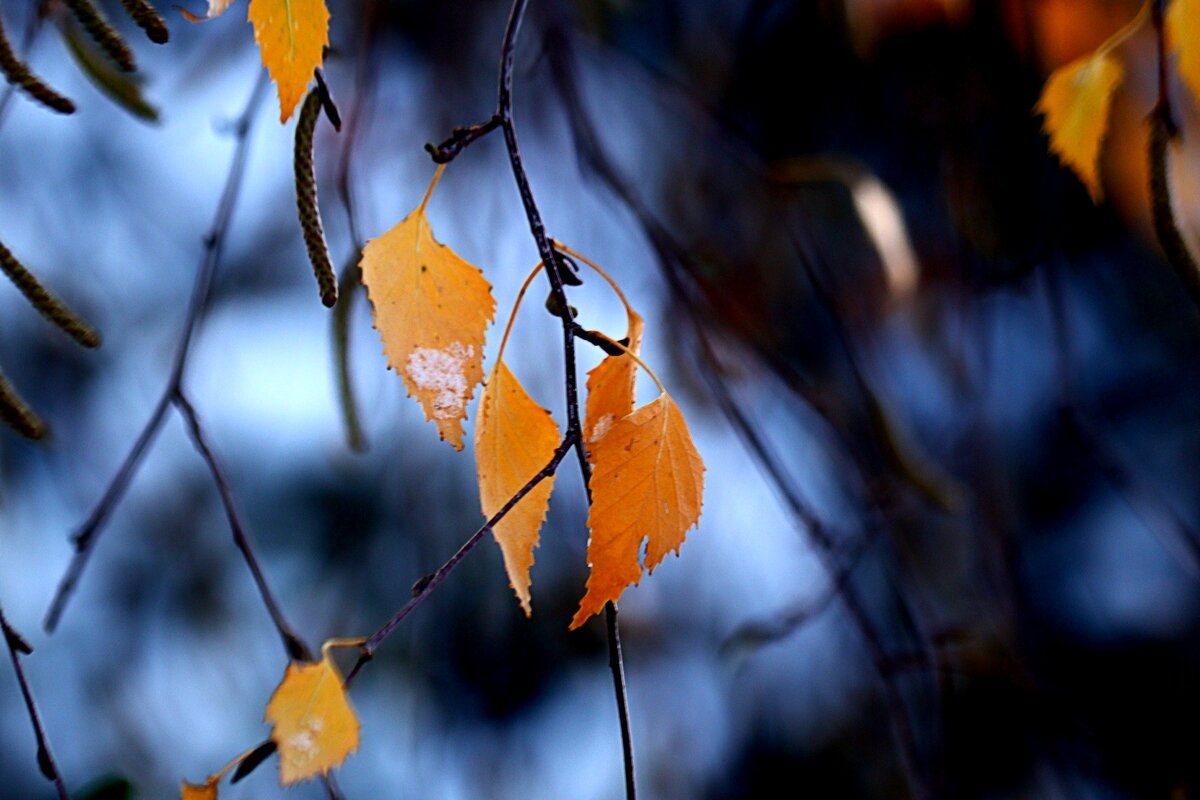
(949, 545)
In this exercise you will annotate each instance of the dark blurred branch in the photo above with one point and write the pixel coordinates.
(1163, 131)
(86, 536)
(18, 647)
(425, 586)
(351, 280)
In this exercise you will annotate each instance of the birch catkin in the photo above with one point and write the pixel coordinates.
(102, 33)
(45, 302)
(148, 19)
(16, 414)
(20, 75)
(306, 200)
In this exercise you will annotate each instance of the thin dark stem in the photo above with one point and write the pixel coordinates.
(17, 647)
(295, 647)
(85, 537)
(549, 257)
(425, 586)
(616, 663)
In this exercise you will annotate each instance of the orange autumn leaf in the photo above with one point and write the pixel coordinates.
(432, 311)
(514, 438)
(313, 724)
(193, 791)
(291, 36)
(648, 484)
(610, 387)
(1183, 30)
(1075, 102)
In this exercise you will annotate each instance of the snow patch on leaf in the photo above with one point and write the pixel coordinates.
(442, 372)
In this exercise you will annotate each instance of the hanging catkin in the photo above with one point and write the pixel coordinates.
(20, 75)
(45, 302)
(306, 200)
(102, 33)
(16, 414)
(148, 19)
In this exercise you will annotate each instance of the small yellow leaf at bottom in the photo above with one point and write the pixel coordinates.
(1075, 102)
(192, 791)
(314, 725)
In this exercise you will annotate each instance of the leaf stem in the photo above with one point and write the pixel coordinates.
(1128, 30)
(437, 176)
(512, 315)
(596, 267)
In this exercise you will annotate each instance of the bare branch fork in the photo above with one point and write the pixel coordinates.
(86, 537)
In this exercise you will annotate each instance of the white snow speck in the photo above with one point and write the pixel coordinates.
(443, 372)
(601, 427)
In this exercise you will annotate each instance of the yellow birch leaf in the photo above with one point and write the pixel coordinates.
(610, 387)
(313, 724)
(193, 791)
(1075, 102)
(648, 484)
(1183, 31)
(291, 36)
(215, 9)
(432, 310)
(514, 438)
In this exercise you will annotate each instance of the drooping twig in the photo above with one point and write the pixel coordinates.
(17, 647)
(85, 537)
(425, 586)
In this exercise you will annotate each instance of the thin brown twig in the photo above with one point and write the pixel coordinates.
(17, 647)
(295, 647)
